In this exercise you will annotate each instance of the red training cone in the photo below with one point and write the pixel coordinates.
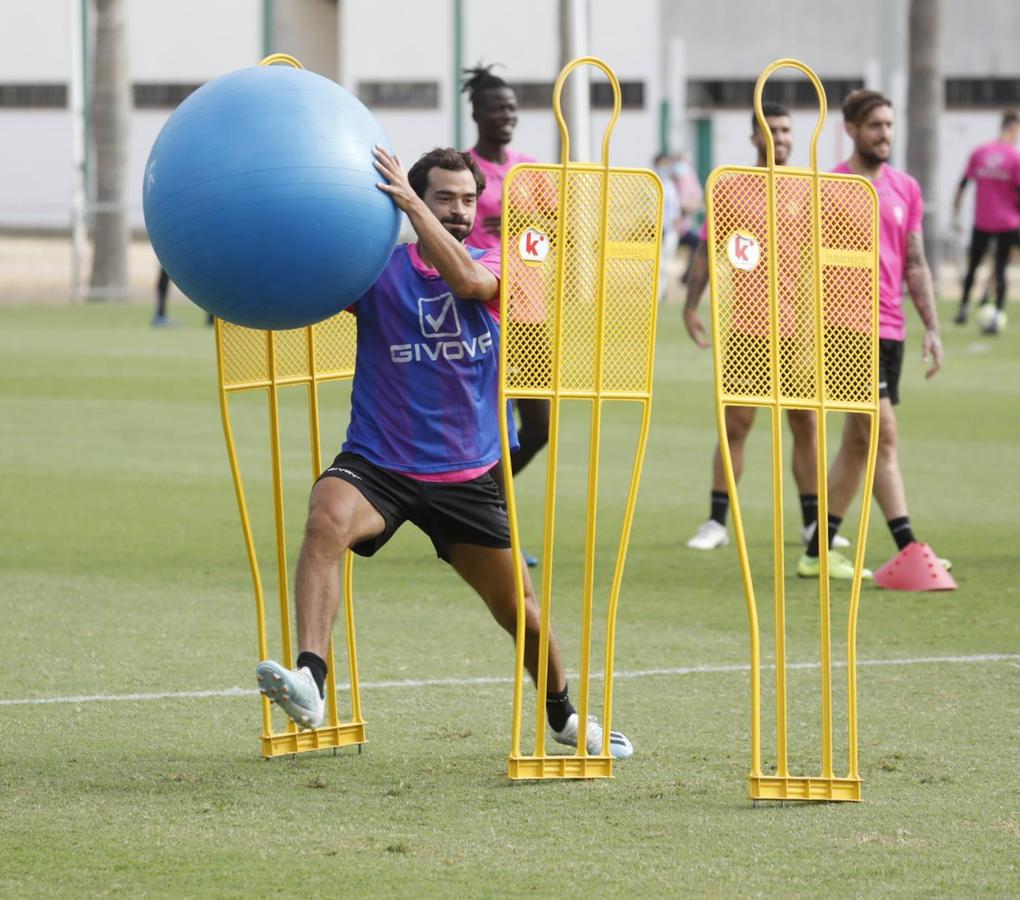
(915, 568)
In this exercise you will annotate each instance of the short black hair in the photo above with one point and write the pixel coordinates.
(443, 158)
(479, 79)
(769, 110)
(858, 105)
(1010, 117)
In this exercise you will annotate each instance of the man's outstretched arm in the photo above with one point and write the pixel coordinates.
(466, 278)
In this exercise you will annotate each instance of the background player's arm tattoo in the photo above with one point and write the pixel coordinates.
(919, 283)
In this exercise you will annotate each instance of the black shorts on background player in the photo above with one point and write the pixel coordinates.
(890, 367)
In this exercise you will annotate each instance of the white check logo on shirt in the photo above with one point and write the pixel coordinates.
(438, 316)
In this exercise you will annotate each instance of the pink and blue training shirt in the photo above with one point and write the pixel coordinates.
(425, 394)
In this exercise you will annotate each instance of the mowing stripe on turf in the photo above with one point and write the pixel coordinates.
(493, 679)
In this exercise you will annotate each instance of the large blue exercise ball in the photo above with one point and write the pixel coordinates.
(260, 198)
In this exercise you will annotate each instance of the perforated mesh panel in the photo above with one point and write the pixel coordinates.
(246, 358)
(741, 257)
(245, 355)
(336, 346)
(531, 256)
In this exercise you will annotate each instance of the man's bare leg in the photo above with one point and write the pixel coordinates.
(890, 491)
(338, 517)
(848, 468)
(712, 533)
(739, 420)
(489, 571)
(805, 449)
(849, 464)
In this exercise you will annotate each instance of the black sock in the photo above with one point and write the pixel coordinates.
(902, 533)
(834, 523)
(317, 666)
(720, 506)
(558, 709)
(809, 508)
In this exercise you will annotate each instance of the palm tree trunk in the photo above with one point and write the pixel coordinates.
(924, 109)
(111, 111)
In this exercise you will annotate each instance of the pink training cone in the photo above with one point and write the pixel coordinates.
(915, 568)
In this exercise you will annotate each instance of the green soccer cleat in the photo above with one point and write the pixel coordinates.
(840, 567)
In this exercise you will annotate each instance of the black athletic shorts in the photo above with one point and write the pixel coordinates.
(747, 361)
(529, 356)
(459, 512)
(890, 366)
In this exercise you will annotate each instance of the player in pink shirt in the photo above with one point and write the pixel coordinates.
(712, 533)
(995, 169)
(494, 109)
(868, 119)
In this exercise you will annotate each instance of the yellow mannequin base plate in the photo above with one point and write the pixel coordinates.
(319, 739)
(536, 767)
(776, 787)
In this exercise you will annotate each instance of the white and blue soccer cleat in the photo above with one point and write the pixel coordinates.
(619, 746)
(293, 690)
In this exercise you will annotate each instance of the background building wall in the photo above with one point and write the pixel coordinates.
(186, 42)
(35, 143)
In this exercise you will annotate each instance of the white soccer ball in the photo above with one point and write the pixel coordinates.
(987, 317)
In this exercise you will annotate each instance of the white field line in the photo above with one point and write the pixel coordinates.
(459, 682)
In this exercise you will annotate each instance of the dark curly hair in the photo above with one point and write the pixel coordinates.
(442, 158)
(478, 80)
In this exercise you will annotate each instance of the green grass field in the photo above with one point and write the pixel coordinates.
(122, 572)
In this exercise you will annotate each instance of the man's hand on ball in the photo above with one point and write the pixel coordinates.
(396, 184)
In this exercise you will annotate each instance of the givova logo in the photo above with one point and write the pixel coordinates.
(438, 318)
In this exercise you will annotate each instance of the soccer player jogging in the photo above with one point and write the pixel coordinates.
(423, 437)
(494, 109)
(868, 119)
(739, 419)
(995, 169)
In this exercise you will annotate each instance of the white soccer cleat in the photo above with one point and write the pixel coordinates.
(709, 536)
(808, 532)
(293, 690)
(619, 746)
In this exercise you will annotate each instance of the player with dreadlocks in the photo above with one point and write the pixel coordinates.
(494, 109)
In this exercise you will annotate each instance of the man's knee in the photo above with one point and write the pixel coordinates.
(504, 609)
(739, 420)
(802, 427)
(887, 436)
(857, 434)
(327, 531)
